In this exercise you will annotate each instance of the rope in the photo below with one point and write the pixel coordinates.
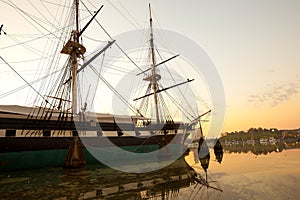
(26, 85)
(112, 39)
(101, 66)
(24, 80)
(179, 106)
(181, 93)
(114, 90)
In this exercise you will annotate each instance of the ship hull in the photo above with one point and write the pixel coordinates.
(33, 142)
(36, 152)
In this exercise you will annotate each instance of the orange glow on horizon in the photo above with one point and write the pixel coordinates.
(283, 116)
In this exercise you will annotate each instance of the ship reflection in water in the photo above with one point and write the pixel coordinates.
(176, 181)
(214, 174)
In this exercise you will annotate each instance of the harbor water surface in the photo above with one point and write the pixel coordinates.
(273, 175)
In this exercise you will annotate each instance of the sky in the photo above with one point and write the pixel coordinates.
(253, 44)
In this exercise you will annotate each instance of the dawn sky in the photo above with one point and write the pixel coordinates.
(254, 45)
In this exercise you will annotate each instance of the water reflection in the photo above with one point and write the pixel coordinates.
(203, 154)
(240, 176)
(177, 181)
(218, 150)
(259, 147)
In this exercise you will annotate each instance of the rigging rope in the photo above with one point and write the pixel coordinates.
(178, 105)
(114, 90)
(24, 80)
(29, 16)
(26, 85)
(101, 66)
(165, 110)
(113, 39)
(135, 25)
(186, 101)
(144, 104)
(45, 18)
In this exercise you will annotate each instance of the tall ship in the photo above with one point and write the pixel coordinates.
(63, 127)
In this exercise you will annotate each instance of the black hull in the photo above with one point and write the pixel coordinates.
(34, 143)
(43, 124)
(17, 144)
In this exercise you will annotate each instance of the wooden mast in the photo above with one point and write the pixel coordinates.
(75, 157)
(154, 76)
(77, 17)
(75, 50)
(74, 66)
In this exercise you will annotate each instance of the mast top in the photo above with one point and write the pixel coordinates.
(77, 17)
(154, 77)
(150, 12)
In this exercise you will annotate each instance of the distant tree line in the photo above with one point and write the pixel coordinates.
(256, 149)
(258, 133)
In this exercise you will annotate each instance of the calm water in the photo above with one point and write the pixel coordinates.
(272, 175)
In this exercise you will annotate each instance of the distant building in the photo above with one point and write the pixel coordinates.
(291, 133)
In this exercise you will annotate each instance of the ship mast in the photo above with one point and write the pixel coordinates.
(75, 50)
(154, 76)
(74, 65)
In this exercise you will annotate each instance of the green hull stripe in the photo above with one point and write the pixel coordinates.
(52, 158)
